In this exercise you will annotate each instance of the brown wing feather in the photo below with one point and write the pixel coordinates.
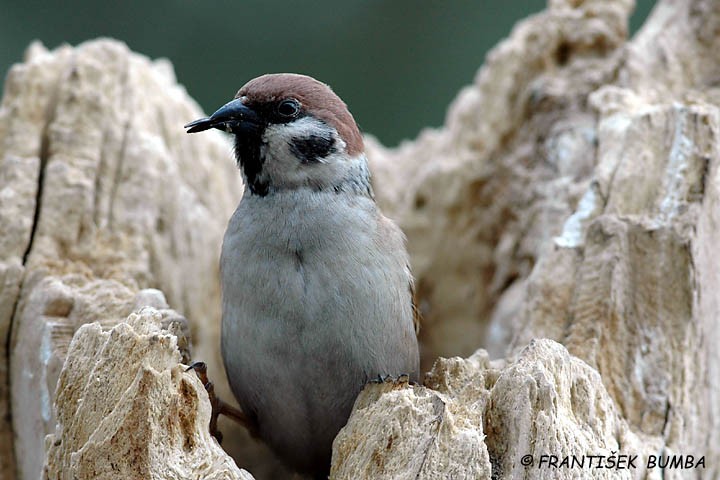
(390, 233)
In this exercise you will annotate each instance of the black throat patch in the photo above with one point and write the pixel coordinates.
(312, 149)
(250, 159)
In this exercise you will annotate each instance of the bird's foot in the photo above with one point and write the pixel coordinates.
(397, 379)
(219, 407)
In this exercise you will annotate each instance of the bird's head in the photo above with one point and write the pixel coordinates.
(292, 131)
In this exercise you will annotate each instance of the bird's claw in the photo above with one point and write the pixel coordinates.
(379, 379)
(387, 378)
(218, 406)
(200, 369)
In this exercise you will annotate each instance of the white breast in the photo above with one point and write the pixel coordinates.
(315, 300)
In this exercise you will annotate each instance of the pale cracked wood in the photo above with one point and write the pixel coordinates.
(476, 419)
(548, 402)
(102, 194)
(638, 293)
(481, 198)
(126, 408)
(407, 432)
(573, 194)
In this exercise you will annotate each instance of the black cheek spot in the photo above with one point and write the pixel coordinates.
(312, 149)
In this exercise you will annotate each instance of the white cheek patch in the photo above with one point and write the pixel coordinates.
(281, 135)
(304, 152)
(306, 140)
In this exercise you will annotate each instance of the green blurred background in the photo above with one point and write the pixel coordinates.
(397, 63)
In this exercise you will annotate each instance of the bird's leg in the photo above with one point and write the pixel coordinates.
(219, 407)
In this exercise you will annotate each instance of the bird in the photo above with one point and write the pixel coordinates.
(317, 291)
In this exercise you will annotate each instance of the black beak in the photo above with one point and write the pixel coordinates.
(233, 117)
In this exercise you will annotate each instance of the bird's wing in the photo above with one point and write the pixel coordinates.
(392, 237)
(413, 299)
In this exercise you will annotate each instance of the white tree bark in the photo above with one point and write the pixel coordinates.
(102, 195)
(572, 195)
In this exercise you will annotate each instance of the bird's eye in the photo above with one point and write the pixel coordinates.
(288, 108)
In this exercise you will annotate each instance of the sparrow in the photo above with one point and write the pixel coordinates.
(317, 293)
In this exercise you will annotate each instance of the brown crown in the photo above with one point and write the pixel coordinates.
(317, 99)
